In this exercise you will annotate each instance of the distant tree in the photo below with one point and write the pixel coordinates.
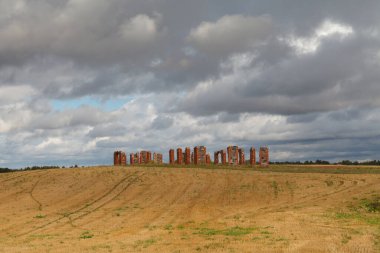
(5, 170)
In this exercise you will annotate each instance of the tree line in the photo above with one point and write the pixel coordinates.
(343, 162)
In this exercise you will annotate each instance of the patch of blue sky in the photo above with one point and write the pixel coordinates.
(106, 105)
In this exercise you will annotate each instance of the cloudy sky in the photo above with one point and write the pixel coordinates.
(81, 78)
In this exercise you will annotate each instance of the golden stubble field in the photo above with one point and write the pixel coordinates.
(114, 209)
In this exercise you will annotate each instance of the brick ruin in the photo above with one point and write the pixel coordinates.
(222, 154)
(145, 157)
(182, 157)
(134, 158)
(208, 159)
(236, 156)
(187, 156)
(119, 158)
(179, 156)
(200, 155)
(252, 156)
(233, 155)
(157, 158)
(264, 156)
(171, 156)
(241, 156)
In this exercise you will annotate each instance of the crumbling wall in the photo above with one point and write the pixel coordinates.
(187, 156)
(179, 156)
(264, 156)
(241, 156)
(157, 158)
(233, 155)
(145, 157)
(171, 156)
(200, 153)
(119, 158)
(216, 157)
(208, 159)
(252, 156)
(224, 157)
(116, 158)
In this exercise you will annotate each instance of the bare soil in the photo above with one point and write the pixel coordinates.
(115, 209)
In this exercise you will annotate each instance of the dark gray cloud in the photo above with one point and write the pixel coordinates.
(162, 122)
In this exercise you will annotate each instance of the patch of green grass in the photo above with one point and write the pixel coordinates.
(86, 235)
(101, 246)
(265, 232)
(369, 219)
(40, 216)
(233, 231)
(42, 236)
(168, 227)
(365, 211)
(275, 187)
(145, 243)
(372, 206)
(346, 238)
(291, 187)
(287, 168)
(213, 246)
(123, 208)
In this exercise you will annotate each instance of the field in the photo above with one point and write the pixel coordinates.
(149, 209)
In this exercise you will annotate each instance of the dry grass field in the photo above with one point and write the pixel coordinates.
(112, 209)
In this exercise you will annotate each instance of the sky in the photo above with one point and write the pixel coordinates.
(82, 78)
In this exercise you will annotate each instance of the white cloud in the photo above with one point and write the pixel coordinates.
(139, 29)
(328, 28)
(13, 94)
(230, 34)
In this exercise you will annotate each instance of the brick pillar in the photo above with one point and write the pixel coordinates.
(179, 156)
(224, 157)
(196, 155)
(187, 156)
(132, 161)
(123, 159)
(208, 159)
(116, 158)
(171, 156)
(264, 156)
(149, 156)
(252, 156)
(216, 157)
(229, 153)
(241, 156)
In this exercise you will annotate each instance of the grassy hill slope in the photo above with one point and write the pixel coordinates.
(108, 209)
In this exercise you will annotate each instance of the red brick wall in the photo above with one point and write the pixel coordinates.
(179, 156)
(252, 156)
(171, 156)
(187, 156)
(264, 156)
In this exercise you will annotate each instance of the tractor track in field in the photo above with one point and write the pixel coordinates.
(10, 178)
(125, 187)
(23, 174)
(91, 204)
(315, 197)
(33, 197)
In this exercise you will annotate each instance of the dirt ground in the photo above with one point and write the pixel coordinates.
(114, 209)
